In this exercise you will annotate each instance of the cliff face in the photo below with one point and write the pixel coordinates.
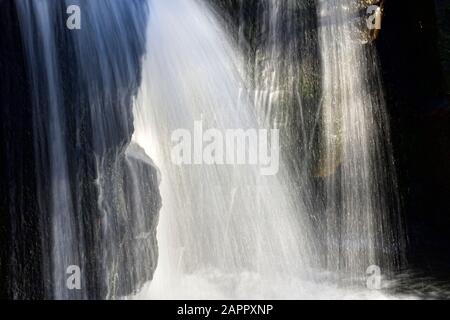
(71, 191)
(20, 244)
(412, 53)
(443, 18)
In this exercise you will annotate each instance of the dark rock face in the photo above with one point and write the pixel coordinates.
(285, 39)
(443, 18)
(113, 200)
(20, 238)
(413, 61)
(141, 179)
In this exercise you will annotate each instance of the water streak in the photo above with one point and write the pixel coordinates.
(219, 224)
(362, 217)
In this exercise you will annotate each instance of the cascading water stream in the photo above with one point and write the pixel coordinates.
(96, 195)
(315, 76)
(362, 218)
(43, 58)
(225, 231)
(283, 72)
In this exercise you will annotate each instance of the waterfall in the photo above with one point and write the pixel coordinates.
(47, 97)
(317, 78)
(225, 231)
(108, 103)
(282, 67)
(362, 218)
(228, 232)
(97, 196)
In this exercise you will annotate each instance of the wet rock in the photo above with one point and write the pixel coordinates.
(99, 70)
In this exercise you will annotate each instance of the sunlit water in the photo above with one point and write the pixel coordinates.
(216, 286)
(363, 221)
(225, 232)
(217, 221)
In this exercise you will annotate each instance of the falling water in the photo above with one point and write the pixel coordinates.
(43, 58)
(356, 161)
(283, 69)
(96, 194)
(315, 76)
(225, 231)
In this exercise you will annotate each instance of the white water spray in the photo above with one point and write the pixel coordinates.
(225, 231)
(362, 222)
